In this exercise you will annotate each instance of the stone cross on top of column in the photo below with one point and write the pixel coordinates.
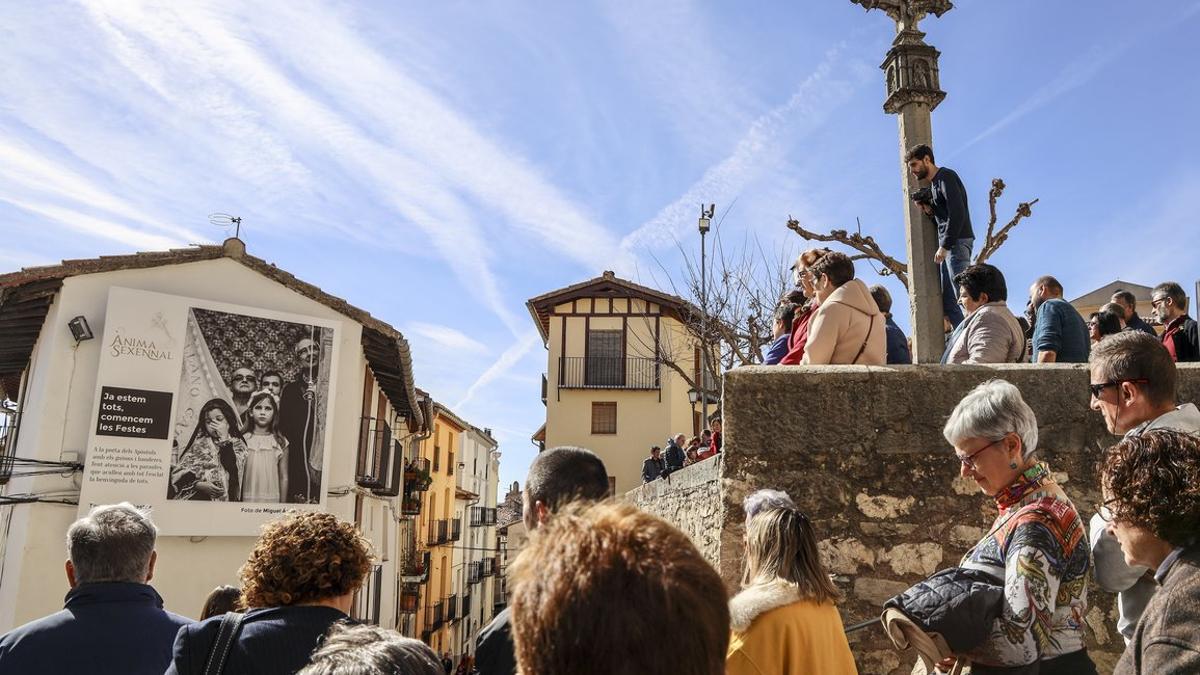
(906, 13)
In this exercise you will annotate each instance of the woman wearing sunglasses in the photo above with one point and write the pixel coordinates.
(1036, 545)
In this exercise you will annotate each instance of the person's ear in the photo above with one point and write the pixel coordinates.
(1128, 392)
(70, 567)
(1013, 446)
(150, 567)
(541, 512)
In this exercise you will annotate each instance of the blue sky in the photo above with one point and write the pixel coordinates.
(439, 163)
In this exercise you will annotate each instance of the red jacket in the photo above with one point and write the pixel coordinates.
(799, 338)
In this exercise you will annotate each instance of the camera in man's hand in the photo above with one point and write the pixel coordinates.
(922, 196)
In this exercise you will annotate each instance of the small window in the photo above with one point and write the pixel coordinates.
(604, 418)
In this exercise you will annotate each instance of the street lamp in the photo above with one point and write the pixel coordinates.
(704, 223)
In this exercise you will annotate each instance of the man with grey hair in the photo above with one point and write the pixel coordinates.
(1133, 384)
(113, 621)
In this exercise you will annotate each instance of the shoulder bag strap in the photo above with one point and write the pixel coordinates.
(231, 625)
(863, 348)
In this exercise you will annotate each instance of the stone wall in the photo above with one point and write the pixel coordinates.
(691, 500)
(861, 450)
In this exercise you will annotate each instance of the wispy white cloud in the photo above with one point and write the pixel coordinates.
(420, 157)
(448, 338)
(93, 226)
(22, 169)
(760, 149)
(507, 360)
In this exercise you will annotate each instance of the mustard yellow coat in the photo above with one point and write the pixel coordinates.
(777, 633)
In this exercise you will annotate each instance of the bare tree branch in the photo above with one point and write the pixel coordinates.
(866, 245)
(869, 250)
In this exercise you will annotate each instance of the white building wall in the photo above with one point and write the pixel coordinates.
(56, 415)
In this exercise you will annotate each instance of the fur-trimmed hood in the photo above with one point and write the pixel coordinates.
(746, 606)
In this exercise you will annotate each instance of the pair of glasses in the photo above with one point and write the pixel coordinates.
(1099, 387)
(969, 460)
(244, 378)
(1103, 511)
(1159, 301)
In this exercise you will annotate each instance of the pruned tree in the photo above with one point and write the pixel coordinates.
(869, 249)
(745, 284)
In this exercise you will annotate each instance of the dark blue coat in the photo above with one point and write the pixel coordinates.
(109, 627)
(273, 641)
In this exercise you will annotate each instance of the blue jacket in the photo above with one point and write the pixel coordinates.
(897, 343)
(1060, 329)
(778, 350)
(273, 641)
(110, 627)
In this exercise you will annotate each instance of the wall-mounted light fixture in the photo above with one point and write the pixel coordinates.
(80, 329)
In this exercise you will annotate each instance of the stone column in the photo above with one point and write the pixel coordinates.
(924, 286)
(912, 87)
(911, 77)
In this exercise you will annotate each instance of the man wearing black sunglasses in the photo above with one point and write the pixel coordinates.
(242, 383)
(1133, 387)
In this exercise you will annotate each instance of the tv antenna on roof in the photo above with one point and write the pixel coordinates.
(225, 220)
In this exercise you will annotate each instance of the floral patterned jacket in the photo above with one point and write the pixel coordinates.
(1038, 546)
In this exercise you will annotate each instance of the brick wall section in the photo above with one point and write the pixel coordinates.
(861, 450)
(690, 499)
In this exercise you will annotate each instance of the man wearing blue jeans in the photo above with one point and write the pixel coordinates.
(946, 203)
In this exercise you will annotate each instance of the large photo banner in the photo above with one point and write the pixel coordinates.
(216, 417)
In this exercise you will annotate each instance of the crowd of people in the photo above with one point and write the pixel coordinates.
(680, 452)
(833, 318)
(599, 577)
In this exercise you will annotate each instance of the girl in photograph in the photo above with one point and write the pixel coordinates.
(266, 451)
(211, 466)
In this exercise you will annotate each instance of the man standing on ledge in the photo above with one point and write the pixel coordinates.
(946, 202)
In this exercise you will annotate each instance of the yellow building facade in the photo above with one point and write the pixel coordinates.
(611, 383)
(439, 527)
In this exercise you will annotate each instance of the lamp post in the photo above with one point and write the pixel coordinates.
(704, 223)
(693, 396)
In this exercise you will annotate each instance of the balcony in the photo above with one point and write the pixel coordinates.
(411, 505)
(456, 529)
(466, 605)
(439, 532)
(483, 516)
(410, 599)
(10, 421)
(366, 602)
(415, 570)
(437, 617)
(452, 609)
(607, 372)
(475, 572)
(490, 566)
(374, 454)
(417, 477)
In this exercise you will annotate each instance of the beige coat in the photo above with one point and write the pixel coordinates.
(991, 335)
(848, 321)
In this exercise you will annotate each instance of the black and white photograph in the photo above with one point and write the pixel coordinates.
(250, 420)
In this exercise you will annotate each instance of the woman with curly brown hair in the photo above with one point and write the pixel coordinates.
(1151, 485)
(299, 581)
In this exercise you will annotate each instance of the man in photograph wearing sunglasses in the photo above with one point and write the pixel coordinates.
(1132, 386)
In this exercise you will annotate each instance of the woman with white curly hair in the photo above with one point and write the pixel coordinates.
(785, 619)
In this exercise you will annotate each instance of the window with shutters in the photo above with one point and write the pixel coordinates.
(604, 418)
(605, 358)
